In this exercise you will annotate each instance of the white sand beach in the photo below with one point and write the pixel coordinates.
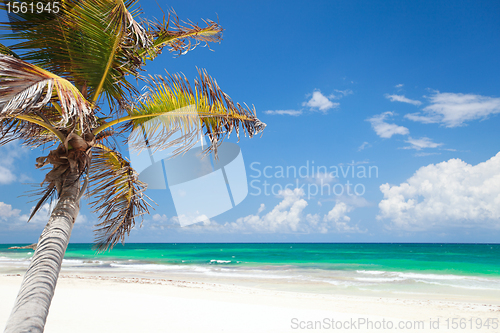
(85, 303)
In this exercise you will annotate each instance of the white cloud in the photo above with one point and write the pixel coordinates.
(284, 217)
(160, 218)
(6, 176)
(10, 153)
(421, 143)
(338, 215)
(284, 112)
(364, 145)
(288, 217)
(402, 98)
(6, 211)
(320, 102)
(338, 220)
(317, 102)
(428, 119)
(81, 219)
(14, 220)
(449, 194)
(14, 217)
(42, 216)
(386, 130)
(399, 85)
(453, 110)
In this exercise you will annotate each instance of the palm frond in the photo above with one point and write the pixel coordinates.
(31, 134)
(7, 51)
(118, 196)
(182, 37)
(47, 193)
(89, 42)
(26, 88)
(110, 32)
(172, 106)
(41, 37)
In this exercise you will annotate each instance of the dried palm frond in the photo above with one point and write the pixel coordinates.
(183, 37)
(32, 135)
(172, 106)
(26, 88)
(118, 196)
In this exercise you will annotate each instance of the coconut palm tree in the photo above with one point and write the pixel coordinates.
(65, 81)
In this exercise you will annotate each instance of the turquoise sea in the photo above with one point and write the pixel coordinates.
(446, 270)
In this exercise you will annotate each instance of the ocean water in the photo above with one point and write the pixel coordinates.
(444, 271)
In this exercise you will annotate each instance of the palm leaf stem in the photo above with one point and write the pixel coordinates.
(108, 65)
(158, 114)
(42, 123)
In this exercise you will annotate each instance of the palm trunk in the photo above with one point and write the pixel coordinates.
(37, 289)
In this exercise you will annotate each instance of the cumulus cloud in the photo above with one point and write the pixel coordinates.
(42, 216)
(320, 102)
(399, 85)
(338, 215)
(284, 217)
(288, 216)
(402, 98)
(6, 211)
(284, 112)
(449, 194)
(386, 130)
(453, 110)
(421, 143)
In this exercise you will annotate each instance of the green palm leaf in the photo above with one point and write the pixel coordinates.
(88, 42)
(172, 106)
(118, 196)
(96, 43)
(7, 51)
(110, 33)
(70, 60)
(181, 38)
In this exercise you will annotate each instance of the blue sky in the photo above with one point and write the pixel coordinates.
(409, 89)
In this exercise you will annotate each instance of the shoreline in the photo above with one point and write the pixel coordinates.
(84, 302)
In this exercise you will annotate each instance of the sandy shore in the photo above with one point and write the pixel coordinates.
(118, 304)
